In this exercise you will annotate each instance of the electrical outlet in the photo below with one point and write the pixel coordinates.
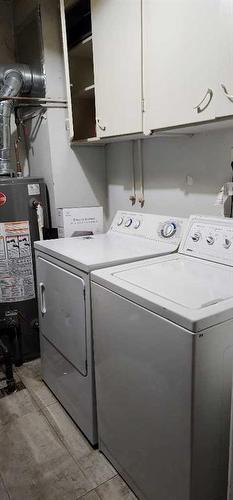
(189, 180)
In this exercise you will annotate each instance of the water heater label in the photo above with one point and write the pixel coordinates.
(2, 199)
(33, 189)
(16, 267)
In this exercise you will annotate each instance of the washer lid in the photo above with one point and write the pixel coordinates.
(193, 293)
(186, 282)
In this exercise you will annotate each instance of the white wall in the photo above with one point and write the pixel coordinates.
(7, 52)
(167, 161)
(75, 176)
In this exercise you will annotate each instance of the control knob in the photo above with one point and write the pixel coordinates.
(196, 237)
(226, 243)
(210, 240)
(120, 220)
(168, 229)
(136, 224)
(128, 222)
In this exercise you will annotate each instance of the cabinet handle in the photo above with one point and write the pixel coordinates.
(209, 94)
(42, 298)
(229, 96)
(100, 126)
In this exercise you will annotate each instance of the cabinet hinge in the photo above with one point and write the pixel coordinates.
(143, 105)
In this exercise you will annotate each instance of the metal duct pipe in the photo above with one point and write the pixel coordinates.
(14, 79)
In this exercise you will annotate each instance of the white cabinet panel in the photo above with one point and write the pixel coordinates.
(116, 31)
(179, 60)
(224, 105)
(69, 122)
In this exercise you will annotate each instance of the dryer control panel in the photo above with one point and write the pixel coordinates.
(149, 226)
(209, 238)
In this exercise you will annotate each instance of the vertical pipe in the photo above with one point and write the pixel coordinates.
(10, 88)
(141, 198)
(14, 79)
(132, 197)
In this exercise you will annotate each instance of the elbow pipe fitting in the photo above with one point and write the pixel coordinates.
(14, 80)
(17, 77)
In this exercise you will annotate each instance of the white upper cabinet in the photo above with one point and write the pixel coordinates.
(179, 62)
(116, 32)
(224, 105)
(146, 65)
(69, 124)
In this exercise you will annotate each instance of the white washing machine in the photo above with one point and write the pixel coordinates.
(163, 341)
(63, 278)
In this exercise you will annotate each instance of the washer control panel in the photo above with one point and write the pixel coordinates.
(209, 238)
(149, 226)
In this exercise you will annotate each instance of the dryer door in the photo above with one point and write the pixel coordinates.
(62, 314)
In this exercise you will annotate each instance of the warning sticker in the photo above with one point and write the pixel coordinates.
(12, 245)
(16, 268)
(33, 189)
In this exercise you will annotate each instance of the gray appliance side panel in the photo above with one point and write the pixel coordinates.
(211, 412)
(144, 383)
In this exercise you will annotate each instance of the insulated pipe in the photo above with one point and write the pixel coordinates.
(141, 198)
(13, 80)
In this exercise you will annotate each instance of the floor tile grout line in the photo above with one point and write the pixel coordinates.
(53, 403)
(95, 489)
(86, 494)
(91, 491)
(36, 398)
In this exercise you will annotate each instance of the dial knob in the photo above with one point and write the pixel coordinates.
(227, 243)
(168, 229)
(196, 237)
(210, 240)
(136, 224)
(128, 222)
(120, 220)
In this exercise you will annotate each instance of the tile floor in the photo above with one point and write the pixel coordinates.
(43, 455)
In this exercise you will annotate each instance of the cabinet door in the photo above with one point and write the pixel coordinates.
(179, 59)
(225, 59)
(62, 311)
(116, 31)
(69, 122)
